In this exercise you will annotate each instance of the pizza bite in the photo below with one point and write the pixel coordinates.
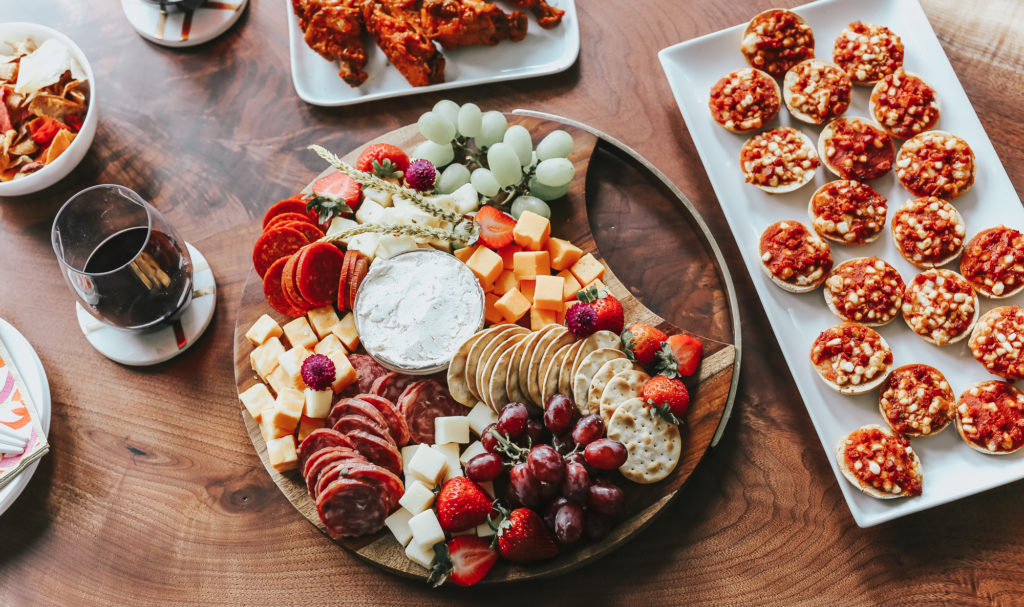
(856, 149)
(848, 212)
(866, 290)
(940, 306)
(816, 91)
(880, 463)
(928, 232)
(993, 262)
(776, 40)
(904, 104)
(778, 161)
(795, 258)
(990, 417)
(936, 163)
(916, 400)
(867, 52)
(997, 342)
(745, 100)
(851, 358)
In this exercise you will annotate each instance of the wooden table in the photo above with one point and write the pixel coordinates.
(152, 492)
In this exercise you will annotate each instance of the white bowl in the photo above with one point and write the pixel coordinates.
(69, 159)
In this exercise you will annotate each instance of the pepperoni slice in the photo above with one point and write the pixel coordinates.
(346, 269)
(377, 450)
(317, 271)
(288, 284)
(352, 422)
(423, 402)
(350, 508)
(324, 458)
(367, 372)
(355, 406)
(284, 218)
(274, 244)
(317, 440)
(359, 270)
(295, 204)
(397, 426)
(311, 231)
(274, 292)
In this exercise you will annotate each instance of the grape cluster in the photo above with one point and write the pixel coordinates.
(557, 465)
(499, 160)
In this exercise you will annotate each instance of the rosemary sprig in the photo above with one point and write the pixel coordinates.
(406, 230)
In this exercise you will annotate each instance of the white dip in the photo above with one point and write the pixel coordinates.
(415, 309)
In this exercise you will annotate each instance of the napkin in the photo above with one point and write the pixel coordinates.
(22, 440)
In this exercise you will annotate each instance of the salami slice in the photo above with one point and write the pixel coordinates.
(367, 372)
(317, 440)
(312, 461)
(274, 292)
(317, 272)
(288, 284)
(397, 425)
(350, 508)
(389, 485)
(274, 244)
(311, 231)
(424, 401)
(284, 218)
(294, 204)
(348, 423)
(355, 406)
(377, 450)
(325, 458)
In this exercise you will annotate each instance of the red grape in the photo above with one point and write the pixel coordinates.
(588, 429)
(605, 454)
(487, 439)
(558, 414)
(576, 485)
(484, 467)
(606, 498)
(597, 525)
(525, 487)
(552, 510)
(535, 431)
(512, 420)
(569, 523)
(546, 464)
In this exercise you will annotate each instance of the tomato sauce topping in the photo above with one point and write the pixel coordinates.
(848, 212)
(817, 89)
(865, 289)
(868, 52)
(744, 100)
(936, 164)
(792, 254)
(940, 305)
(776, 41)
(781, 156)
(904, 104)
(916, 400)
(858, 150)
(998, 342)
(990, 415)
(993, 261)
(850, 354)
(882, 460)
(928, 231)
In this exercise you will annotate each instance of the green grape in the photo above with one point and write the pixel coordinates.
(439, 154)
(484, 182)
(492, 128)
(469, 120)
(555, 172)
(530, 203)
(448, 109)
(436, 128)
(504, 163)
(519, 139)
(545, 192)
(452, 178)
(558, 144)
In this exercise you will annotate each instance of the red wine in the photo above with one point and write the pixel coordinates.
(139, 284)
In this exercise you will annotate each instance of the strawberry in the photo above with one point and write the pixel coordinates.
(523, 537)
(465, 560)
(495, 227)
(679, 356)
(383, 160)
(608, 309)
(461, 505)
(642, 343)
(333, 195)
(668, 396)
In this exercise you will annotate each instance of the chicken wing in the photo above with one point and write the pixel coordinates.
(547, 15)
(332, 28)
(395, 25)
(458, 23)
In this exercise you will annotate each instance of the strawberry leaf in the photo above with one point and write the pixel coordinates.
(442, 565)
(326, 207)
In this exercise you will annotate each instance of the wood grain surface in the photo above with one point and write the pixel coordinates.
(152, 493)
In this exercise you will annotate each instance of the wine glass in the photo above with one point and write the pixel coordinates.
(125, 264)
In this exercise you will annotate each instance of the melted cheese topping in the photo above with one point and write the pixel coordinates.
(998, 342)
(867, 52)
(781, 156)
(936, 164)
(865, 289)
(928, 231)
(848, 212)
(916, 400)
(990, 415)
(744, 100)
(940, 304)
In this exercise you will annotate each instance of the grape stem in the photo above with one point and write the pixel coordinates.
(512, 451)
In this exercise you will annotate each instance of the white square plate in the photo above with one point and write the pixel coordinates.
(952, 470)
(540, 53)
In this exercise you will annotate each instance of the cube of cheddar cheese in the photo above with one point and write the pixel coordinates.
(345, 331)
(528, 265)
(481, 416)
(506, 282)
(587, 269)
(281, 452)
(563, 253)
(492, 314)
(344, 372)
(527, 288)
(279, 381)
(512, 305)
(263, 329)
(291, 361)
(288, 407)
(264, 358)
(532, 231)
(571, 285)
(299, 333)
(542, 318)
(465, 253)
(486, 265)
(322, 319)
(506, 253)
(548, 292)
(329, 344)
(255, 399)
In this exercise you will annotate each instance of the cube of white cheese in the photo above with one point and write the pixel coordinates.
(481, 416)
(263, 329)
(292, 360)
(465, 199)
(407, 453)
(451, 429)
(428, 466)
(341, 224)
(379, 196)
(281, 452)
(345, 331)
(369, 212)
(475, 449)
(420, 554)
(417, 497)
(398, 524)
(393, 245)
(263, 358)
(256, 398)
(322, 319)
(450, 451)
(426, 529)
(318, 402)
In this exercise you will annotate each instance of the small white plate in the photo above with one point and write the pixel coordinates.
(32, 372)
(952, 470)
(542, 52)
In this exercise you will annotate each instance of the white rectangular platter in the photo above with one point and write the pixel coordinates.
(952, 470)
(542, 52)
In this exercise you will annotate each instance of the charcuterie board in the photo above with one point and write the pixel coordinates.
(607, 173)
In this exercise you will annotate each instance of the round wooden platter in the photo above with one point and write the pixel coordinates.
(712, 392)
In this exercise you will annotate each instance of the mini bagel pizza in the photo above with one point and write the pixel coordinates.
(776, 40)
(816, 91)
(745, 100)
(940, 306)
(916, 400)
(880, 462)
(936, 163)
(866, 290)
(856, 149)
(793, 257)
(867, 52)
(997, 342)
(928, 232)
(780, 160)
(904, 104)
(851, 358)
(848, 212)
(990, 417)
(993, 262)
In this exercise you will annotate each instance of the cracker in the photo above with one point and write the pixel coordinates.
(490, 357)
(595, 341)
(653, 445)
(540, 371)
(473, 356)
(585, 371)
(549, 385)
(512, 386)
(531, 364)
(495, 396)
(457, 383)
(565, 372)
(481, 351)
(601, 378)
(622, 386)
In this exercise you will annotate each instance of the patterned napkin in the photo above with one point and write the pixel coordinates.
(22, 440)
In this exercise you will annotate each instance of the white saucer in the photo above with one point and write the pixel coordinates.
(31, 370)
(139, 350)
(182, 28)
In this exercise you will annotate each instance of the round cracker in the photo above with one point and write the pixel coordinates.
(565, 372)
(457, 381)
(585, 374)
(653, 445)
(602, 377)
(531, 364)
(621, 387)
(594, 341)
(512, 385)
(549, 385)
(473, 359)
(539, 372)
(496, 396)
(490, 356)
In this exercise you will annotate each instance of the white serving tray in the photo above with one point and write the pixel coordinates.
(952, 470)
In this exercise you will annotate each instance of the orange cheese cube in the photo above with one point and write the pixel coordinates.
(542, 318)
(570, 286)
(281, 453)
(506, 282)
(528, 265)
(587, 269)
(532, 231)
(329, 344)
(269, 430)
(563, 253)
(486, 264)
(548, 293)
(287, 409)
(527, 287)
(513, 305)
(307, 425)
(506, 252)
(491, 314)
(300, 334)
(465, 253)
(345, 331)
(344, 372)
